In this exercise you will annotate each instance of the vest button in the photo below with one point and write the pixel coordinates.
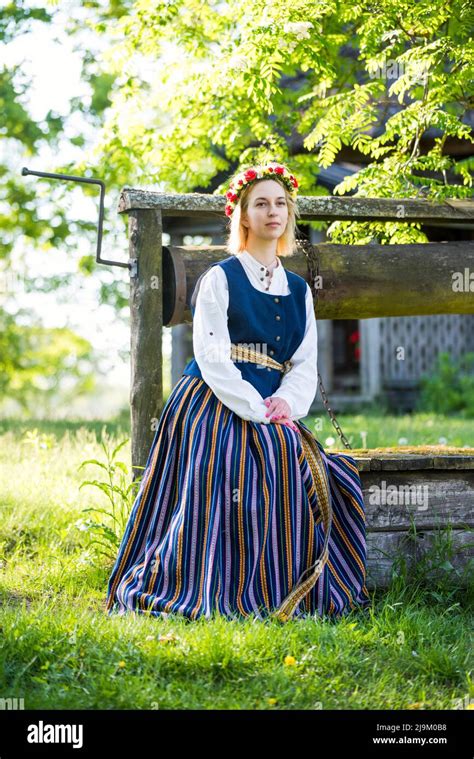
(271, 353)
(277, 316)
(267, 288)
(261, 279)
(277, 337)
(277, 300)
(262, 268)
(268, 369)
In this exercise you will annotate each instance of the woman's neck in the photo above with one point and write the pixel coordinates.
(268, 259)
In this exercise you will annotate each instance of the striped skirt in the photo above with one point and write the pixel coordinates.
(226, 520)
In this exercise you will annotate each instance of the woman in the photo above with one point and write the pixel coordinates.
(238, 499)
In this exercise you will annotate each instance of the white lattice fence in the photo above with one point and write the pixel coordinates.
(422, 338)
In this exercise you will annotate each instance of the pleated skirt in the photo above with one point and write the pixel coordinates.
(226, 520)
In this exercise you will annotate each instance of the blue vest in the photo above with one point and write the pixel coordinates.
(272, 324)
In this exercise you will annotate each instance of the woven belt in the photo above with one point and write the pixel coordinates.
(316, 464)
(243, 353)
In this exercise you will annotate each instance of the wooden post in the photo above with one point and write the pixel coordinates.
(370, 357)
(146, 316)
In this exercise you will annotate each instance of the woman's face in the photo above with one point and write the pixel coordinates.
(267, 204)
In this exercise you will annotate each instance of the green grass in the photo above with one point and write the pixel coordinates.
(59, 650)
(374, 430)
(370, 429)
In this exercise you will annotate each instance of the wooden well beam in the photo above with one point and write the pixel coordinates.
(355, 281)
(329, 208)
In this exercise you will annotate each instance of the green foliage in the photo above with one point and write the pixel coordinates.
(39, 365)
(450, 387)
(228, 93)
(23, 136)
(434, 569)
(106, 531)
(16, 19)
(184, 90)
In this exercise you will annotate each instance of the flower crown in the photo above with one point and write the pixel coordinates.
(271, 170)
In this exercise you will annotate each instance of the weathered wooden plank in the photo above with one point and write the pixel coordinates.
(383, 547)
(146, 309)
(417, 457)
(404, 462)
(406, 493)
(205, 205)
(356, 281)
(428, 499)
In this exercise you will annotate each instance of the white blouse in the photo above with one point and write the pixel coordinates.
(212, 353)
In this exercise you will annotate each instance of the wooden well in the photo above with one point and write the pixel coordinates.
(360, 281)
(410, 499)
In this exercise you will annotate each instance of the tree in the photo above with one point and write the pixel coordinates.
(35, 214)
(184, 91)
(202, 86)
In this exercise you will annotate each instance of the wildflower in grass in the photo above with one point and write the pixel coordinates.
(168, 638)
(290, 661)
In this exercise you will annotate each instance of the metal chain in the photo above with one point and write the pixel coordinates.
(312, 260)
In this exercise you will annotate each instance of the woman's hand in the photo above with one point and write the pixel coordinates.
(279, 411)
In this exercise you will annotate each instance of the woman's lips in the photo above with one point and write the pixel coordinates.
(273, 224)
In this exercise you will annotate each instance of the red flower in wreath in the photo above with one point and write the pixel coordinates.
(250, 174)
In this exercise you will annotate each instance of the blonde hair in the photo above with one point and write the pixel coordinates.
(238, 233)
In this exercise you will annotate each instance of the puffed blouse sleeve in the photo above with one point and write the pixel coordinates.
(211, 346)
(298, 386)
